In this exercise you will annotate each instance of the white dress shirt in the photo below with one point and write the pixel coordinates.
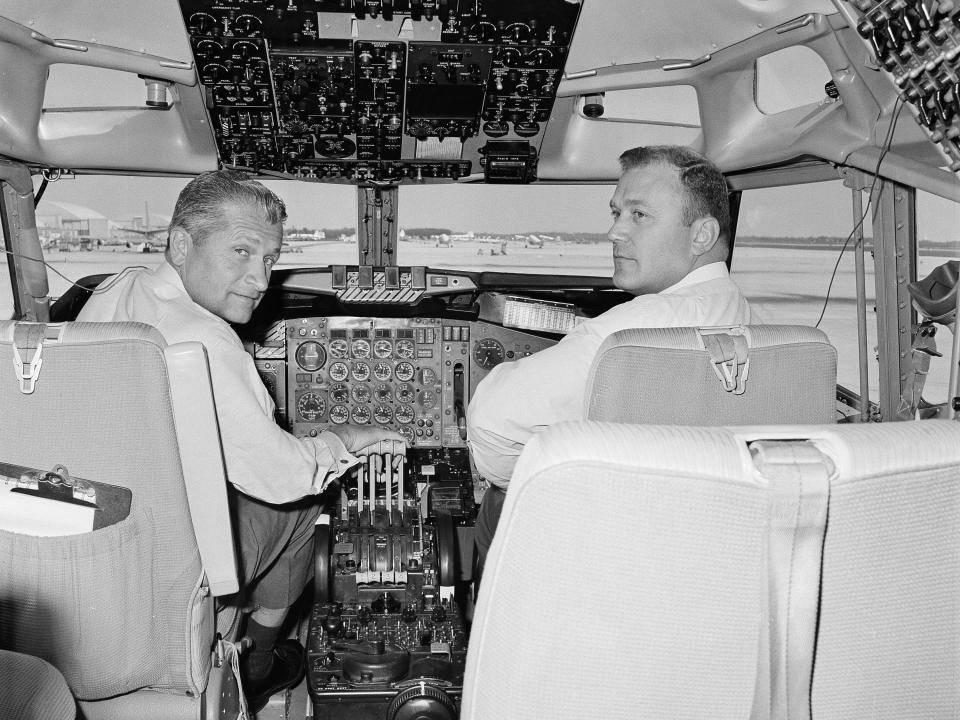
(263, 460)
(520, 398)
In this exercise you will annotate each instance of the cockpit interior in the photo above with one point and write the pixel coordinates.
(447, 168)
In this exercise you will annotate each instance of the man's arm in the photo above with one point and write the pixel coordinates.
(263, 460)
(520, 398)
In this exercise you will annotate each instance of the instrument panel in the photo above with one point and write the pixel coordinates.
(378, 90)
(411, 375)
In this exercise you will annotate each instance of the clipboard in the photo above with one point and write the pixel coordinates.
(53, 503)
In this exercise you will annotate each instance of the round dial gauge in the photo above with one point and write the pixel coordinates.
(339, 371)
(382, 414)
(405, 393)
(361, 415)
(406, 349)
(382, 348)
(339, 414)
(428, 398)
(488, 353)
(407, 433)
(382, 370)
(383, 393)
(310, 407)
(361, 348)
(404, 371)
(338, 348)
(428, 376)
(311, 356)
(360, 371)
(361, 393)
(405, 414)
(339, 393)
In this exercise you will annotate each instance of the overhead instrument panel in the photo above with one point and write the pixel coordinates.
(362, 91)
(918, 43)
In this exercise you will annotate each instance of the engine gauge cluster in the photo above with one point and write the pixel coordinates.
(393, 373)
(412, 375)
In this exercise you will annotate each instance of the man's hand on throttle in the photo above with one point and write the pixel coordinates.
(365, 440)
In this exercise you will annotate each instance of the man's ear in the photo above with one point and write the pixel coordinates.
(705, 232)
(180, 245)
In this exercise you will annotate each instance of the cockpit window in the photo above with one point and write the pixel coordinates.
(93, 224)
(790, 78)
(938, 242)
(546, 229)
(789, 240)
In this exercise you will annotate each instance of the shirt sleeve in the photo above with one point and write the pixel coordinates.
(263, 460)
(518, 399)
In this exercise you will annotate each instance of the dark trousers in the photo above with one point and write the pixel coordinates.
(275, 548)
(487, 518)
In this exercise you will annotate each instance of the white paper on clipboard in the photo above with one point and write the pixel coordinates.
(41, 516)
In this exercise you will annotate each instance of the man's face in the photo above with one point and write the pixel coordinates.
(229, 271)
(652, 248)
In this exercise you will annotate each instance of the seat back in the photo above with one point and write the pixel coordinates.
(128, 605)
(753, 374)
(691, 587)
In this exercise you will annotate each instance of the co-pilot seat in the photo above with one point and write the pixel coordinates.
(648, 571)
(737, 375)
(126, 611)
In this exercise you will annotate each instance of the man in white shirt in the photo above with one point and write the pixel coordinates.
(670, 236)
(224, 239)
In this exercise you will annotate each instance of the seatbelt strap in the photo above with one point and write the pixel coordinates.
(923, 348)
(729, 353)
(799, 483)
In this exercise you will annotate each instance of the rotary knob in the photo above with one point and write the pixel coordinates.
(422, 702)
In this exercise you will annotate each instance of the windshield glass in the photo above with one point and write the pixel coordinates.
(543, 229)
(101, 224)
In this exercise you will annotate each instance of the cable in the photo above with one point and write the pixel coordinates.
(885, 148)
(101, 288)
(39, 193)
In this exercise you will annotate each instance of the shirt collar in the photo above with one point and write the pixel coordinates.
(704, 273)
(167, 274)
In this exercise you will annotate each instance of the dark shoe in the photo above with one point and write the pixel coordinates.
(287, 671)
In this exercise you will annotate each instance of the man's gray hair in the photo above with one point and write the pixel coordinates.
(201, 204)
(707, 192)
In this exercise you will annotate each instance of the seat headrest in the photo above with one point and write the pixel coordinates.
(935, 296)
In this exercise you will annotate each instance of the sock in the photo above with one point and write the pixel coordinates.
(259, 658)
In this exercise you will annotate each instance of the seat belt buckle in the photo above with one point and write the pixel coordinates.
(729, 354)
(28, 373)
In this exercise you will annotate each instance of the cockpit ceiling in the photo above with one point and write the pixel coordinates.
(709, 46)
(151, 27)
(643, 31)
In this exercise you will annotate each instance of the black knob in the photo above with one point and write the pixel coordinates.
(333, 626)
(409, 614)
(439, 614)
